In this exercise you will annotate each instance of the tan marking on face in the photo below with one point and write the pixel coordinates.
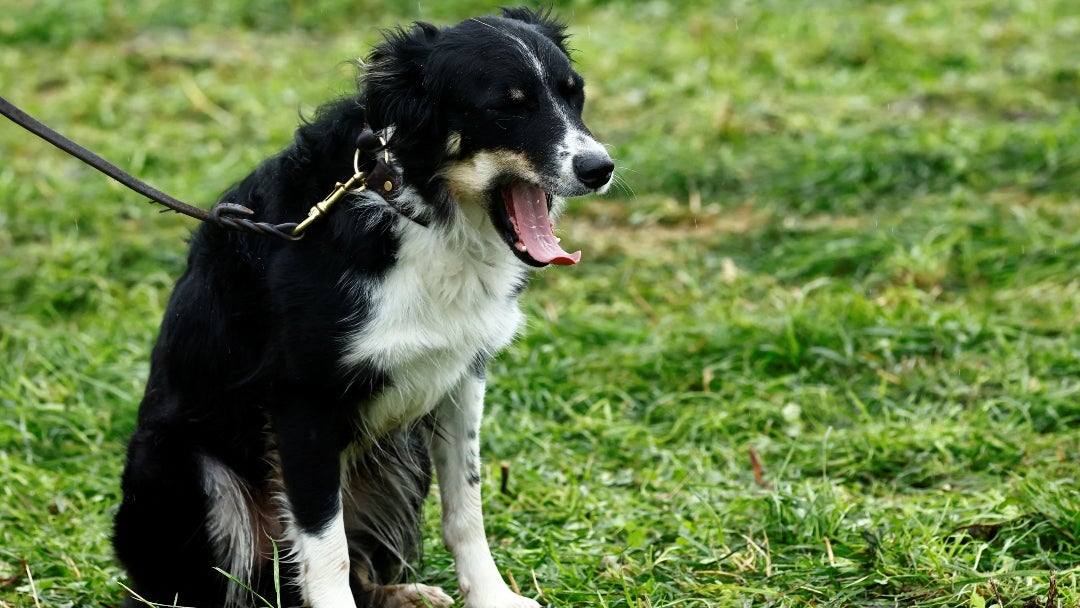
(472, 178)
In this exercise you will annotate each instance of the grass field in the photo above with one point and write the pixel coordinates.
(846, 245)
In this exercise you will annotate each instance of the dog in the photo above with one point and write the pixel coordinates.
(300, 392)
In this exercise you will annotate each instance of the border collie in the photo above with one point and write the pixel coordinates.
(299, 392)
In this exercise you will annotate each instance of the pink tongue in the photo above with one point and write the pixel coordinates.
(530, 218)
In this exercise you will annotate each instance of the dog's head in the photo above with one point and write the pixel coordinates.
(488, 113)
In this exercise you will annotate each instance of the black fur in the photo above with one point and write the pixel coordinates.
(247, 368)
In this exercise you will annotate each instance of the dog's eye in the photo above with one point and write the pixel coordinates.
(572, 89)
(575, 97)
(513, 101)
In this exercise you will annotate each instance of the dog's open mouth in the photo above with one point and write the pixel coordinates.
(532, 238)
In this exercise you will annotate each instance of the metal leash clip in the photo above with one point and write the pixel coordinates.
(368, 143)
(340, 189)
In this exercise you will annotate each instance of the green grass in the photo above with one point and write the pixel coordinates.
(847, 241)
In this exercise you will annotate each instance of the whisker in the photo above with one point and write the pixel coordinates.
(485, 24)
(620, 182)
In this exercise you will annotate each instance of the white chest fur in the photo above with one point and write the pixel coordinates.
(449, 296)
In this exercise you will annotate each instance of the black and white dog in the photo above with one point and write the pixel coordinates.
(299, 391)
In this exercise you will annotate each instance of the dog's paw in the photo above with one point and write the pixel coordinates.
(499, 598)
(413, 596)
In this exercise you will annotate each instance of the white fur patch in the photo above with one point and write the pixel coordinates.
(324, 565)
(233, 525)
(576, 143)
(448, 297)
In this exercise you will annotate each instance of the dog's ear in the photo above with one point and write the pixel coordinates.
(393, 79)
(543, 21)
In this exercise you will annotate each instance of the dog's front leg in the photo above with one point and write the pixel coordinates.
(309, 450)
(456, 452)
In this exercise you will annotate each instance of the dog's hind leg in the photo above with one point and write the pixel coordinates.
(455, 447)
(160, 534)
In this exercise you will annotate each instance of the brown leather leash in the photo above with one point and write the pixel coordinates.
(381, 178)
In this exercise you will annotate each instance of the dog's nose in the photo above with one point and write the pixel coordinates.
(594, 170)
